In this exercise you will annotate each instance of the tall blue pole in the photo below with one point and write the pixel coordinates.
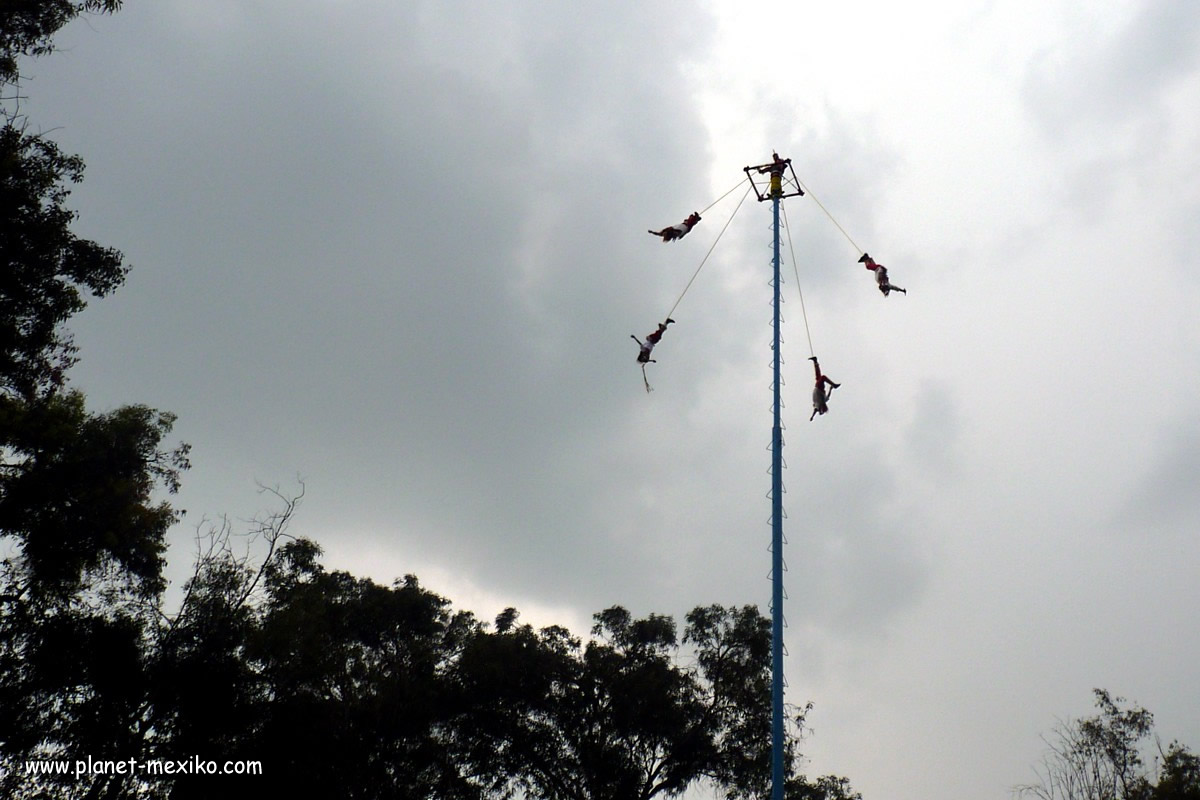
(778, 169)
(777, 741)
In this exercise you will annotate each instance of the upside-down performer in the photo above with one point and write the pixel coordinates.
(648, 345)
(881, 275)
(820, 396)
(677, 231)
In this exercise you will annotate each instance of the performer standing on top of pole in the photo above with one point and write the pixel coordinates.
(778, 169)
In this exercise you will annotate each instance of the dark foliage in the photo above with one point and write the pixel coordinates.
(27, 27)
(1101, 758)
(46, 268)
(76, 490)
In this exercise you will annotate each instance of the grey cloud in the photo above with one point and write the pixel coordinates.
(394, 260)
(1109, 81)
(932, 435)
(858, 545)
(1166, 500)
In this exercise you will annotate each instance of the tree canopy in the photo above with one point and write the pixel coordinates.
(1103, 757)
(342, 687)
(27, 27)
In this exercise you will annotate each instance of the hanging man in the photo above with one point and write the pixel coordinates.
(651, 340)
(820, 396)
(677, 231)
(881, 275)
(648, 345)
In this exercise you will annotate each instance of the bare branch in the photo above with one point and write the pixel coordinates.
(272, 528)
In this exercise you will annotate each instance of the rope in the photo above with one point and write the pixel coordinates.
(796, 270)
(807, 191)
(710, 250)
(722, 197)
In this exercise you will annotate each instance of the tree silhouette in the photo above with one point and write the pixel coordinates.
(1101, 758)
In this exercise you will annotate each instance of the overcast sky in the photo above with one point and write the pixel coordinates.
(397, 249)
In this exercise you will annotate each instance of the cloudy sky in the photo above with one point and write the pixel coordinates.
(396, 251)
